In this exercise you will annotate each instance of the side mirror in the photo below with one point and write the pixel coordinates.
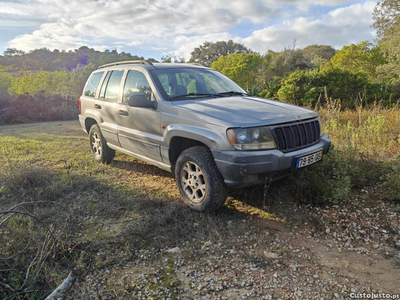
(140, 100)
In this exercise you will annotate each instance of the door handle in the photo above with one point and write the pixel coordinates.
(123, 113)
(97, 106)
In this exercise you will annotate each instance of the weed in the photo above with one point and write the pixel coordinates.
(391, 183)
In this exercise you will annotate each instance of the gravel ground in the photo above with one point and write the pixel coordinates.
(340, 251)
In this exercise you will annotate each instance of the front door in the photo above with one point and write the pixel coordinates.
(139, 128)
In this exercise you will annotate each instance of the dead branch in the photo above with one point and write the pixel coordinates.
(62, 290)
(45, 248)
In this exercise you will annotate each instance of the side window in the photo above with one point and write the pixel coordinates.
(136, 83)
(92, 84)
(104, 85)
(112, 89)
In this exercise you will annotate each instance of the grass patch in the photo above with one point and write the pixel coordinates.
(365, 152)
(106, 217)
(102, 216)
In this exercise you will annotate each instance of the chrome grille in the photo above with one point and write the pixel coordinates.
(295, 136)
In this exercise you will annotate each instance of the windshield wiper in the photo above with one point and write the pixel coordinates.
(194, 94)
(233, 93)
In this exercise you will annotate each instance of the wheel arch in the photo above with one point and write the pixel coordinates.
(91, 118)
(89, 122)
(178, 144)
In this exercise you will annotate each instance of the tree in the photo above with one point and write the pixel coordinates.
(318, 55)
(13, 51)
(361, 58)
(391, 51)
(386, 16)
(209, 52)
(387, 22)
(240, 67)
(46, 60)
(172, 57)
(278, 64)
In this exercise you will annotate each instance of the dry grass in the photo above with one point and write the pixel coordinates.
(372, 132)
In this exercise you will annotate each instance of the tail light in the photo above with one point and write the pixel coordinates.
(80, 107)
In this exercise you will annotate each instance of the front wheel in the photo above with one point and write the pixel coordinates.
(200, 184)
(98, 145)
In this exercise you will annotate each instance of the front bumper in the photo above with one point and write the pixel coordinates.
(245, 168)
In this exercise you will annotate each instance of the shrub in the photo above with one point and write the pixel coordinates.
(305, 87)
(5, 81)
(366, 145)
(325, 182)
(369, 133)
(391, 183)
(65, 83)
(39, 108)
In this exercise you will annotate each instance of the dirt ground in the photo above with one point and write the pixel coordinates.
(146, 244)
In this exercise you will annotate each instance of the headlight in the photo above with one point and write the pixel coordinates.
(256, 138)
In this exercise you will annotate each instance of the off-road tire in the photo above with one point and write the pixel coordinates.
(98, 146)
(215, 189)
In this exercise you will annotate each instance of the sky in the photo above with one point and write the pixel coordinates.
(155, 28)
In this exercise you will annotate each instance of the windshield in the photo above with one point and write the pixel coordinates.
(191, 83)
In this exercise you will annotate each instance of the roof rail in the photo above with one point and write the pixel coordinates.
(143, 62)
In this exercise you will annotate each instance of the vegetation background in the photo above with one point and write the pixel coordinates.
(356, 91)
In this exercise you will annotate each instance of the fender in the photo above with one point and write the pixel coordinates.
(206, 136)
(93, 114)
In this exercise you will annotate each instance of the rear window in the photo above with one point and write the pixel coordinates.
(92, 84)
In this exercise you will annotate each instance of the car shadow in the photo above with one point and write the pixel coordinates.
(133, 165)
(277, 201)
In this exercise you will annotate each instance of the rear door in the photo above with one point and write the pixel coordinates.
(139, 128)
(107, 105)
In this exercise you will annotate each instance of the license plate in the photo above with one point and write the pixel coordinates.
(308, 159)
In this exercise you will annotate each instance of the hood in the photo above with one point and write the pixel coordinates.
(243, 111)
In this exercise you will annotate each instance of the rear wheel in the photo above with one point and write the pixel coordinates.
(200, 184)
(98, 145)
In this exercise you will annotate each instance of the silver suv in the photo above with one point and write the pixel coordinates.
(200, 125)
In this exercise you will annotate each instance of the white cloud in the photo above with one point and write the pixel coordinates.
(189, 43)
(181, 25)
(339, 27)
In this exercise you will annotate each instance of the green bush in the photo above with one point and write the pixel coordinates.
(5, 81)
(51, 83)
(305, 87)
(340, 172)
(391, 183)
(328, 182)
(241, 68)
